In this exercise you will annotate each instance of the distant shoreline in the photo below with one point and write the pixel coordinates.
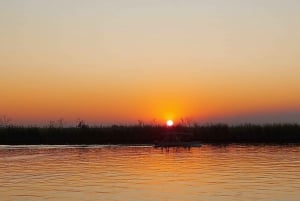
(146, 134)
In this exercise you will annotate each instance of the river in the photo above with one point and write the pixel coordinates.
(144, 173)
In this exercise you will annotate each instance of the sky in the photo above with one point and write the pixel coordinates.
(120, 61)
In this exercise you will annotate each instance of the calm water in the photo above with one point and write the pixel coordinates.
(144, 173)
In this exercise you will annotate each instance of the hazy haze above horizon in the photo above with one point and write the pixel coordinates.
(118, 61)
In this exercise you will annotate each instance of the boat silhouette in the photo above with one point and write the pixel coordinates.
(177, 139)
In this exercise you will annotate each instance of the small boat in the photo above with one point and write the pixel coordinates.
(177, 139)
(178, 144)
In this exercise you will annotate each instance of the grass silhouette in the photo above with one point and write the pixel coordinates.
(146, 134)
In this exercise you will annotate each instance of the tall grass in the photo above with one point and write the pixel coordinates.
(143, 134)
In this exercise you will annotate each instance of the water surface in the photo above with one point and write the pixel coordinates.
(124, 173)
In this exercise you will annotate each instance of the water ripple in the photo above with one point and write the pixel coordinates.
(97, 172)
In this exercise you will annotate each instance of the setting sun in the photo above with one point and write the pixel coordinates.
(169, 123)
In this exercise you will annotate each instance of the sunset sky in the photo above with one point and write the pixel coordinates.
(120, 61)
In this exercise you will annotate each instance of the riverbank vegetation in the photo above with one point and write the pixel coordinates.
(146, 134)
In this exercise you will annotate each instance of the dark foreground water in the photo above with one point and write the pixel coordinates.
(107, 173)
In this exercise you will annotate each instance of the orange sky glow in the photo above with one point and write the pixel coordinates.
(123, 61)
